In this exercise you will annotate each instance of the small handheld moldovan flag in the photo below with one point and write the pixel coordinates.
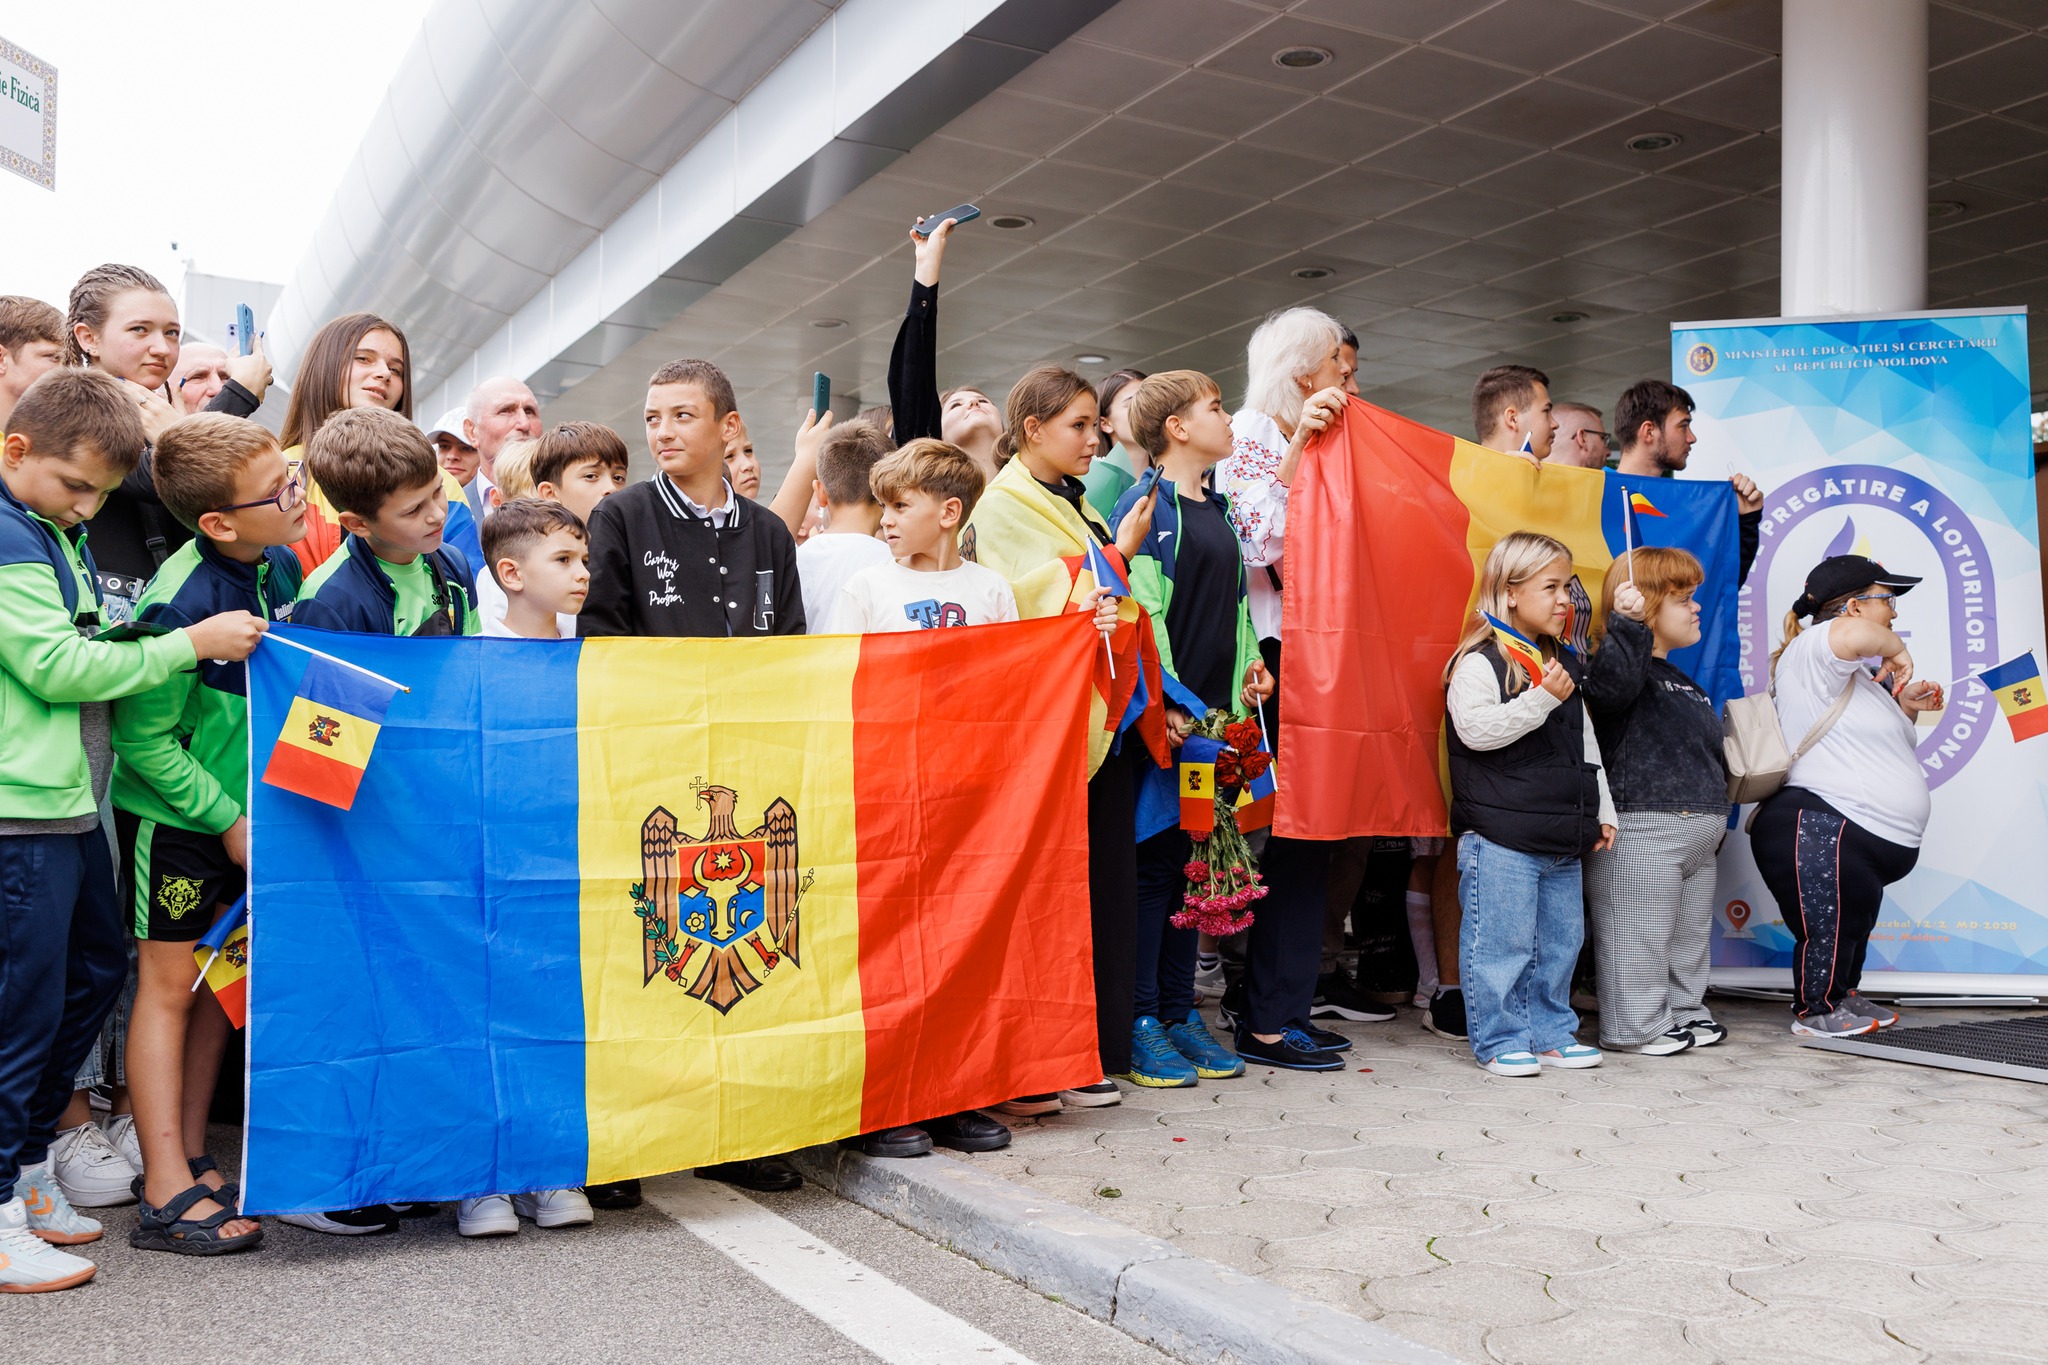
(1631, 530)
(223, 958)
(329, 732)
(1198, 785)
(1107, 576)
(1256, 799)
(2017, 685)
(1516, 646)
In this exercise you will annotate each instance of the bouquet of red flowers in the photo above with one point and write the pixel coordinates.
(1223, 877)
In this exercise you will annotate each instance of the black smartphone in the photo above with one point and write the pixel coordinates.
(1146, 482)
(821, 392)
(965, 213)
(245, 328)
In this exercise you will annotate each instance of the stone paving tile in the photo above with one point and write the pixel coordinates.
(2000, 1278)
(1982, 1324)
(1735, 1204)
(1623, 1339)
(1860, 1285)
(1491, 1294)
(1800, 1331)
(1545, 1250)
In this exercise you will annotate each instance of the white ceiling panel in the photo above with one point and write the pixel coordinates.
(1458, 168)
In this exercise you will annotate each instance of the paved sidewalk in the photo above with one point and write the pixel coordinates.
(1746, 1202)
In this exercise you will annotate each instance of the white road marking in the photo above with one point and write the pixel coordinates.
(859, 1303)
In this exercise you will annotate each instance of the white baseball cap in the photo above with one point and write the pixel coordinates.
(451, 422)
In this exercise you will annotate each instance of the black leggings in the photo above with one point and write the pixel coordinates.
(1828, 874)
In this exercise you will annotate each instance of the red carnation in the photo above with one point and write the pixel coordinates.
(1243, 736)
(1254, 766)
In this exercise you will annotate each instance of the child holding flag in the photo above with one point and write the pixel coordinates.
(74, 437)
(1190, 575)
(1528, 800)
(1652, 894)
(181, 783)
(1033, 519)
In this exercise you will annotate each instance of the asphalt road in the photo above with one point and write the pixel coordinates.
(698, 1273)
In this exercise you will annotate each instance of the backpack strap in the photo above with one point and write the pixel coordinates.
(1826, 722)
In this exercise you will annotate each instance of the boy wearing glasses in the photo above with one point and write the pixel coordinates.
(181, 780)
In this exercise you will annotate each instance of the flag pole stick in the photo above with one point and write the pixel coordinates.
(1110, 655)
(333, 659)
(204, 968)
(1628, 531)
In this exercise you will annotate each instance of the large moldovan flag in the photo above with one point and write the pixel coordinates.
(1387, 526)
(607, 908)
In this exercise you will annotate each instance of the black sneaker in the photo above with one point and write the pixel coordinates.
(1339, 996)
(906, 1141)
(765, 1174)
(1294, 1052)
(1323, 1039)
(969, 1131)
(1446, 1016)
(617, 1194)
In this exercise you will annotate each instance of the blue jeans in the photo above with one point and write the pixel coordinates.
(1523, 922)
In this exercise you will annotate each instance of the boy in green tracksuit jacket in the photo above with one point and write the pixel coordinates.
(74, 436)
(1190, 576)
(181, 785)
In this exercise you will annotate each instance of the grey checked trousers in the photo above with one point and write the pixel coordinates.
(1652, 897)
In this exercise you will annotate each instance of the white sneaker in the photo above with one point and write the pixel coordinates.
(345, 1222)
(28, 1264)
(553, 1208)
(1515, 1064)
(1100, 1095)
(90, 1171)
(491, 1216)
(50, 1215)
(1666, 1044)
(121, 1133)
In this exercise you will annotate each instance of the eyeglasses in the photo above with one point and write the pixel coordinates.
(1876, 597)
(286, 498)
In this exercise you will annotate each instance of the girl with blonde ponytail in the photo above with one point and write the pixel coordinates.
(1528, 800)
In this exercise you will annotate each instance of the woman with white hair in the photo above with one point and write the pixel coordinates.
(1295, 388)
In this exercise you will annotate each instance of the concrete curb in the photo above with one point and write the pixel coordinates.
(1188, 1307)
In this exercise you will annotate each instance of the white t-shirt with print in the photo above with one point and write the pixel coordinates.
(1864, 766)
(890, 597)
(824, 563)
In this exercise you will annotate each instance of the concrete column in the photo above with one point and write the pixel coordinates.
(1855, 157)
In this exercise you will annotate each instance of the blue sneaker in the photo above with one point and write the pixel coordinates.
(1154, 1061)
(1212, 1061)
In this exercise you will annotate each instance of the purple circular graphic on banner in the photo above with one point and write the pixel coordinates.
(1965, 570)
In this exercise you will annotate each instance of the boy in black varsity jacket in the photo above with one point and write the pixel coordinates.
(683, 553)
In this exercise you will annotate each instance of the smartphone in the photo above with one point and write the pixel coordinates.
(965, 213)
(244, 333)
(1146, 481)
(821, 392)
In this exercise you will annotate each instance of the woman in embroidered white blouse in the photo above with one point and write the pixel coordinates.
(1294, 389)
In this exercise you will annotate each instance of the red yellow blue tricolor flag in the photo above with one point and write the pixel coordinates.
(1198, 784)
(612, 907)
(1517, 647)
(327, 736)
(223, 958)
(1387, 526)
(2017, 685)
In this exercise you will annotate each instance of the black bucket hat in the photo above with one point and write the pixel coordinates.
(1843, 574)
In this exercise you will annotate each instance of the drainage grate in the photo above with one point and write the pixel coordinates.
(2016, 1048)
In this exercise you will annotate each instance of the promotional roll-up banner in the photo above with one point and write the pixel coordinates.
(1906, 439)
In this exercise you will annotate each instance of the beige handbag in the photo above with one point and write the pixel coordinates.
(1754, 743)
